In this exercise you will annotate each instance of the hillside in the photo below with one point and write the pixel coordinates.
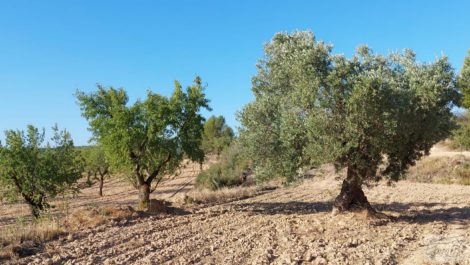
(292, 225)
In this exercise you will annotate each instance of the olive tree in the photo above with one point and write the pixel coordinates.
(217, 135)
(149, 138)
(374, 115)
(36, 171)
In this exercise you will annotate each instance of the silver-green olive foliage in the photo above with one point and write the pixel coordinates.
(149, 138)
(313, 107)
(35, 171)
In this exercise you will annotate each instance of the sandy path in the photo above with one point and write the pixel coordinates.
(440, 151)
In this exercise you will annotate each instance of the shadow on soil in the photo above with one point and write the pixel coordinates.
(427, 212)
(293, 207)
(408, 212)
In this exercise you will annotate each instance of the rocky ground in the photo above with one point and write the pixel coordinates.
(430, 224)
(291, 225)
(117, 191)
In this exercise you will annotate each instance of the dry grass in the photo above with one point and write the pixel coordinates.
(221, 195)
(23, 239)
(449, 144)
(444, 170)
(92, 217)
(26, 238)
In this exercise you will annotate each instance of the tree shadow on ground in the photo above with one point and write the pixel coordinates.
(422, 213)
(419, 213)
(287, 208)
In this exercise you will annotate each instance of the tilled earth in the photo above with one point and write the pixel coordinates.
(291, 225)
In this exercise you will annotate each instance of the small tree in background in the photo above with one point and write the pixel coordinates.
(363, 114)
(35, 171)
(463, 81)
(217, 135)
(96, 164)
(461, 136)
(149, 138)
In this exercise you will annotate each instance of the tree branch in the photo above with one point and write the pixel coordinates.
(157, 171)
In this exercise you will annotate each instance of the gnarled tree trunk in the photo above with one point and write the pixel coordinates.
(352, 196)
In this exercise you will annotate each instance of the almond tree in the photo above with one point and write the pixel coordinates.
(35, 171)
(149, 138)
(374, 115)
(96, 164)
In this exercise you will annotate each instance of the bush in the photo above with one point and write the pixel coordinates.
(231, 170)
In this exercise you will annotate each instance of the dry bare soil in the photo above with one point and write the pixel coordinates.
(291, 225)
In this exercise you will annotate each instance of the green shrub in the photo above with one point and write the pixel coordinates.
(230, 171)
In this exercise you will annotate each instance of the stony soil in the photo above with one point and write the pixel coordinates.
(117, 191)
(430, 224)
(291, 225)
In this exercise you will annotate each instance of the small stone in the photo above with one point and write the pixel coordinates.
(108, 262)
(321, 261)
(310, 256)
(56, 258)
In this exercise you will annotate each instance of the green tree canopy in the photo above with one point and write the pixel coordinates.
(96, 164)
(313, 107)
(464, 81)
(461, 136)
(217, 135)
(35, 171)
(149, 138)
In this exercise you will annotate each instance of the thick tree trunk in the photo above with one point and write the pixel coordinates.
(144, 196)
(352, 196)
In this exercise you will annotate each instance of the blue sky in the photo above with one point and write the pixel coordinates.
(48, 49)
